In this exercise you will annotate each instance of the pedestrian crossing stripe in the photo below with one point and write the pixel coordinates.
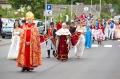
(107, 45)
(118, 40)
(95, 45)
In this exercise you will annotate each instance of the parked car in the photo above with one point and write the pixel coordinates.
(116, 18)
(7, 29)
(40, 26)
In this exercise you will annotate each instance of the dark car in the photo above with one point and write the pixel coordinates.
(40, 26)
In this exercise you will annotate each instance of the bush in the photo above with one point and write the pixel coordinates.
(105, 15)
(10, 13)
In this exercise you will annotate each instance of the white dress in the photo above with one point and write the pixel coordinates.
(107, 31)
(14, 48)
(50, 45)
(80, 46)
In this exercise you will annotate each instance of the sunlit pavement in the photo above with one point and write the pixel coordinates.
(99, 62)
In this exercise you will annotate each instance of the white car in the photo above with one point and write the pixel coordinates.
(7, 28)
(40, 26)
(116, 18)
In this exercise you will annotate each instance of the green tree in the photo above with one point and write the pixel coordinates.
(36, 5)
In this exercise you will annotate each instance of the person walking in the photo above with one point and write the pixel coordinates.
(29, 55)
(14, 48)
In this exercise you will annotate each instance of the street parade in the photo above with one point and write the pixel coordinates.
(78, 43)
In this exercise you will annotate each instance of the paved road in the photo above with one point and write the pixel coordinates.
(99, 62)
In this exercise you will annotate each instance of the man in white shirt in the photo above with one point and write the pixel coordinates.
(112, 30)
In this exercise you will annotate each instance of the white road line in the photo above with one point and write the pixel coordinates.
(95, 45)
(118, 40)
(107, 45)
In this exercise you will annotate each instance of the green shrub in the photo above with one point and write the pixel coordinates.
(105, 15)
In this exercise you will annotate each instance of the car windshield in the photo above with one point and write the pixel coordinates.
(39, 24)
(10, 25)
(116, 17)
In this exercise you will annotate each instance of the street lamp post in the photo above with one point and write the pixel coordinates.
(91, 7)
(71, 8)
(100, 8)
(111, 10)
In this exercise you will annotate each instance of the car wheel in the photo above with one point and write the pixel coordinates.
(10, 37)
(3, 36)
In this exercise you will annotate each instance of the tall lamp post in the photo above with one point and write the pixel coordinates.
(111, 10)
(100, 8)
(91, 7)
(71, 8)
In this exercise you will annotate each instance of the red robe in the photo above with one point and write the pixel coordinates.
(29, 55)
(75, 37)
(59, 25)
(102, 28)
(63, 48)
(50, 34)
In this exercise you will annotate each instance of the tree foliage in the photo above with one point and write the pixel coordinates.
(37, 6)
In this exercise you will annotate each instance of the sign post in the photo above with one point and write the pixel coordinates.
(47, 12)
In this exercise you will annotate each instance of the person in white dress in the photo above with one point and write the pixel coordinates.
(14, 48)
(107, 30)
(80, 46)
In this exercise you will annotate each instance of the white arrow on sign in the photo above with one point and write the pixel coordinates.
(48, 13)
(86, 9)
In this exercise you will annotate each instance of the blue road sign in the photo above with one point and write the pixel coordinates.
(49, 7)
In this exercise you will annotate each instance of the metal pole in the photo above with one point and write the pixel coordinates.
(71, 8)
(45, 17)
(100, 8)
(91, 7)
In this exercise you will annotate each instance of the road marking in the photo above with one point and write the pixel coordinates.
(118, 40)
(107, 45)
(95, 45)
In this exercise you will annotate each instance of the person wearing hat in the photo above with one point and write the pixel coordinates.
(29, 55)
(63, 43)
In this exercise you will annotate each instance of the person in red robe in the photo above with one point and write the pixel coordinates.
(59, 25)
(63, 43)
(29, 55)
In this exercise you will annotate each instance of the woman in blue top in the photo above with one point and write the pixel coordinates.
(88, 37)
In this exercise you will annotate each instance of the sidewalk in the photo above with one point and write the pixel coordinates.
(4, 41)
